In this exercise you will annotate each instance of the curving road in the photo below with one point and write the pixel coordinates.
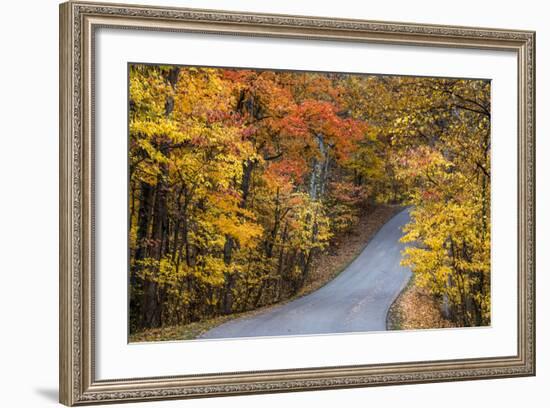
(358, 299)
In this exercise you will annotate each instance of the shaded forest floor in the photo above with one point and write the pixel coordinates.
(414, 308)
(342, 251)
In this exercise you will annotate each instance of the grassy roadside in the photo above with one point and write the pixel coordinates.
(414, 308)
(326, 267)
(183, 332)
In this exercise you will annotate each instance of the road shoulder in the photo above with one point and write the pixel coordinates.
(415, 309)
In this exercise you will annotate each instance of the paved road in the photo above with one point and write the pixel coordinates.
(358, 299)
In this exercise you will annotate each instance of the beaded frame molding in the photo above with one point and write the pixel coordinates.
(78, 22)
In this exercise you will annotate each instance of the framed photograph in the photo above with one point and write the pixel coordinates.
(256, 203)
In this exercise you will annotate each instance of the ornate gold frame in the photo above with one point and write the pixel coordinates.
(78, 22)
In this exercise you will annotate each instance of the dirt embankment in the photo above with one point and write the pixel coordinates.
(414, 308)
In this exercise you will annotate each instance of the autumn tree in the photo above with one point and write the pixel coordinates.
(240, 178)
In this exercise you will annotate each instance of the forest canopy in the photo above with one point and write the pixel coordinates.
(239, 179)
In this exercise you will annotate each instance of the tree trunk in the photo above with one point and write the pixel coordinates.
(153, 295)
(137, 308)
